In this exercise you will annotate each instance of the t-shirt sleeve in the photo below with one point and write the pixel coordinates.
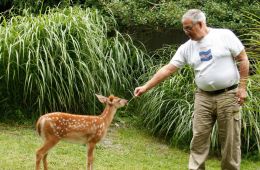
(234, 44)
(178, 59)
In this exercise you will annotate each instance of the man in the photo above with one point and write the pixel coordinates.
(214, 55)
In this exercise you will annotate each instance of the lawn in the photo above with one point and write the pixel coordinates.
(125, 147)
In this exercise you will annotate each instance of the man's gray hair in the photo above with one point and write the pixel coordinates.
(195, 15)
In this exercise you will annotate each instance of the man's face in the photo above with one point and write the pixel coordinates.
(192, 30)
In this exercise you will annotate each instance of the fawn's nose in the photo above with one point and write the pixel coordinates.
(125, 101)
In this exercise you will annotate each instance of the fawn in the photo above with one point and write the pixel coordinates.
(53, 127)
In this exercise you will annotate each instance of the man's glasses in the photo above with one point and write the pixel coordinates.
(189, 28)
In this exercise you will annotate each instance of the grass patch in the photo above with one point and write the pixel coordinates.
(125, 147)
(58, 60)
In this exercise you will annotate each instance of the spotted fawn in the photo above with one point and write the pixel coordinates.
(53, 127)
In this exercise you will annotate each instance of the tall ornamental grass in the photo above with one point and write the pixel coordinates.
(58, 61)
(167, 109)
(251, 110)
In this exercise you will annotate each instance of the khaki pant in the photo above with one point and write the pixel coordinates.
(208, 109)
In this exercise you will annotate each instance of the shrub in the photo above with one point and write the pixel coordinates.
(57, 61)
(154, 13)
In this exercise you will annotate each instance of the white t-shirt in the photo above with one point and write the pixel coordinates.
(212, 59)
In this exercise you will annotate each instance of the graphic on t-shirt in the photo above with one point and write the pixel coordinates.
(205, 55)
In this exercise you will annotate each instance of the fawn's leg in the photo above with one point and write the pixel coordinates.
(42, 152)
(91, 147)
(45, 161)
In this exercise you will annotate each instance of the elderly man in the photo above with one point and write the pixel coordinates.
(221, 69)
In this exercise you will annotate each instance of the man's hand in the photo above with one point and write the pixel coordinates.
(139, 91)
(243, 62)
(241, 95)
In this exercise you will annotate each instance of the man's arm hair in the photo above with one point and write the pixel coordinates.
(161, 75)
(243, 67)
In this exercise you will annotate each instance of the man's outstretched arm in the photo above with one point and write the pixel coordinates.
(158, 77)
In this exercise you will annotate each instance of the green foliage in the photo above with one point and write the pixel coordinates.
(252, 37)
(168, 13)
(166, 110)
(251, 110)
(58, 61)
(4, 2)
(164, 13)
(251, 116)
(35, 6)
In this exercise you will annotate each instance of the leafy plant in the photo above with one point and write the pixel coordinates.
(166, 110)
(57, 61)
(251, 110)
(154, 13)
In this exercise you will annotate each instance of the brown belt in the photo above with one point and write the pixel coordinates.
(221, 90)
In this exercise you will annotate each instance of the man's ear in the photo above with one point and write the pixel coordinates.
(101, 98)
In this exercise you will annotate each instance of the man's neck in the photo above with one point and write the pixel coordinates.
(204, 32)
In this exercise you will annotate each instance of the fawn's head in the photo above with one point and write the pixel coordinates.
(112, 101)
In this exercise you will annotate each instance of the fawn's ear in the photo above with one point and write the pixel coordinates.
(101, 98)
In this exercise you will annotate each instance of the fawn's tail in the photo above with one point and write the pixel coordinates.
(38, 126)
